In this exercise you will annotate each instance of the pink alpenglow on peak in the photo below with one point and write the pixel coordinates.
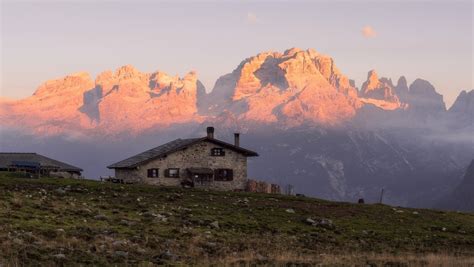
(381, 89)
(295, 87)
(126, 100)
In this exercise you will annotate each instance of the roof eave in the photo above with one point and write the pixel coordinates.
(120, 167)
(72, 170)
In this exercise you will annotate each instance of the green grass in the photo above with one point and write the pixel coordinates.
(55, 221)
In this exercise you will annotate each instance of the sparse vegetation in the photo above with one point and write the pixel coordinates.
(66, 222)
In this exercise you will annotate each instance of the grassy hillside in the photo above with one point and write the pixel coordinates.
(56, 221)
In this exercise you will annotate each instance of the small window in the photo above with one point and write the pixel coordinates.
(217, 152)
(153, 173)
(172, 173)
(223, 175)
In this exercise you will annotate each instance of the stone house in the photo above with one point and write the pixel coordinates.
(200, 162)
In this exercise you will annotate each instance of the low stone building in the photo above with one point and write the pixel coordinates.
(37, 165)
(200, 162)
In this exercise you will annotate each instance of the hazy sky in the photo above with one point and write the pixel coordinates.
(42, 40)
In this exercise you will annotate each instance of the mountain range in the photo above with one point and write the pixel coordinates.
(312, 127)
(289, 89)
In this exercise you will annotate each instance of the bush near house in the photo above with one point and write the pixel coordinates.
(79, 222)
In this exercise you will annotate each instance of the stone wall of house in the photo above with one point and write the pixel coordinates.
(195, 156)
(65, 175)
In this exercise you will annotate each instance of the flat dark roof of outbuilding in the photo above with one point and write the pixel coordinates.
(7, 158)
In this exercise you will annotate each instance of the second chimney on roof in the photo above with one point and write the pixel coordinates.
(210, 132)
(236, 139)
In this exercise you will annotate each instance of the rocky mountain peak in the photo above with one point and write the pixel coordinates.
(402, 83)
(372, 82)
(423, 97)
(125, 100)
(130, 96)
(422, 87)
(192, 75)
(379, 89)
(464, 103)
(401, 89)
(291, 87)
(127, 71)
(104, 77)
(73, 84)
(292, 51)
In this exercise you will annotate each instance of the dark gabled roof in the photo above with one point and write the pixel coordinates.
(171, 147)
(153, 153)
(8, 158)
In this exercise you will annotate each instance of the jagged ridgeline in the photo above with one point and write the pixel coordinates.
(290, 89)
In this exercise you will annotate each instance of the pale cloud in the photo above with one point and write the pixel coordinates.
(252, 18)
(369, 32)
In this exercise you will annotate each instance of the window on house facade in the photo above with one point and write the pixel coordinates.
(223, 174)
(172, 173)
(217, 152)
(153, 173)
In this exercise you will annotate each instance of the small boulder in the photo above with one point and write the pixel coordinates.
(214, 224)
(310, 221)
(290, 210)
(125, 223)
(100, 217)
(167, 255)
(60, 191)
(60, 231)
(59, 256)
(148, 214)
(119, 243)
(326, 223)
(120, 254)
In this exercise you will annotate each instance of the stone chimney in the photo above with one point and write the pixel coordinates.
(210, 132)
(236, 139)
